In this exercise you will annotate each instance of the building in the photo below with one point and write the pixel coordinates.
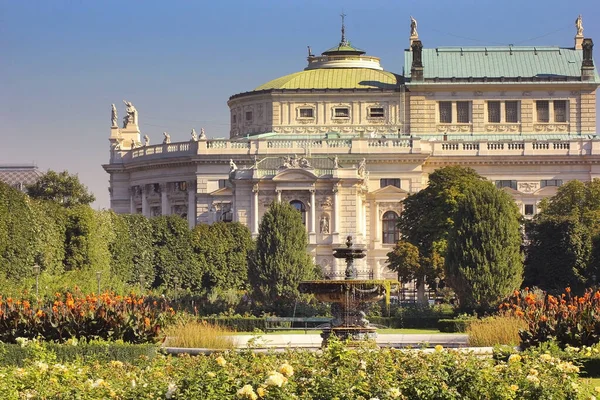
(19, 175)
(345, 141)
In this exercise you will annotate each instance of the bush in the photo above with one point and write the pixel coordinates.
(195, 334)
(493, 331)
(237, 323)
(108, 317)
(570, 320)
(454, 325)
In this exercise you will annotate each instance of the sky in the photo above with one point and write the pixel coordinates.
(63, 63)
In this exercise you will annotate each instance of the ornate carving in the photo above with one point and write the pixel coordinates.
(113, 116)
(413, 28)
(528, 187)
(167, 138)
(478, 93)
(503, 127)
(131, 117)
(556, 127)
(295, 162)
(527, 93)
(579, 25)
(443, 128)
(324, 223)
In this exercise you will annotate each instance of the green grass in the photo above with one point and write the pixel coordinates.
(590, 382)
(317, 331)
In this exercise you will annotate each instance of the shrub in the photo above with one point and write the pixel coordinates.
(570, 320)
(106, 316)
(238, 323)
(493, 331)
(459, 324)
(195, 334)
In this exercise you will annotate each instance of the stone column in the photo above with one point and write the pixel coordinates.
(191, 213)
(377, 223)
(164, 199)
(313, 207)
(364, 219)
(254, 216)
(359, 215)
(132, 209)
(145, 209)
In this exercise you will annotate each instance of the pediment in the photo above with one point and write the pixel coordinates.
(547, 191)
(295, 175)
(226, 191)
(389, 190)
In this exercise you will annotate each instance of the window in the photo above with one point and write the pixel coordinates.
(560, 111)
(226, 213)
(389, 222)
(463, 112)
(298, 205)
(223, 183)
(341, 112)
(389, 182)
(543, 111)
(512, 111)
(493, 112)
(445, 112)
(376, 112)
(528, 209)
(551, 182)
(306, 113)
(248, 115)
(506, 183)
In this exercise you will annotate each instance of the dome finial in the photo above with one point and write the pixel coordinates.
(343, 42)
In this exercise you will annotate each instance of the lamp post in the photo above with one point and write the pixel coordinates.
(36, 271)
(98, 277)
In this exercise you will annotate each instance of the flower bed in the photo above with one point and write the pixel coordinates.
(337, 372)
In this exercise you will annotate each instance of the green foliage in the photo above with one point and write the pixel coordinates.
(405, 260)
(428, 216)
(280, 261)
(174, 260)
(141, 239)
(223, 249)
(121, 249)
(483, 259)
(50, 232)
(62, 188)
(453, 325)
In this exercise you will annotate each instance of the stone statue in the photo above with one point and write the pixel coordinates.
(413, 27)
(324, 224)
(303, 163)
(194, 135)
(131, 116)
(113, 116)
(336, 162)
(579, 25)
(133, 143)
(362, 167)
(202, 134)
(232, 166)
(146, 140)
(167, 138)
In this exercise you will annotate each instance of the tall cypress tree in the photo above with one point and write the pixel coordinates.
(483, 260)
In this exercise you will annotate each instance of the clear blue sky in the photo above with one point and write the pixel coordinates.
(62, 63)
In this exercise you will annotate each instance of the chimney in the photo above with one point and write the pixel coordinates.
(587, 65)
(416, 69)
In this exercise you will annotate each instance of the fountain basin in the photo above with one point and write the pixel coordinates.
(350, 292)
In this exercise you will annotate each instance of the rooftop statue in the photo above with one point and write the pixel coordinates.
(413, 27)
(113, 115)
(232, 166)
(579, 25)
(167, 138)
(362, 167)
(194, 135)
(146, 140)
(202, 134)
(132, 115)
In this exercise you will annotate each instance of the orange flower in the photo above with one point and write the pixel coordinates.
(26, 304)
(581, 300)
(54, 309)
(519, 313)
(568, 290)
(39, 313)
(147, 322)
(543, 318)
(597, 295)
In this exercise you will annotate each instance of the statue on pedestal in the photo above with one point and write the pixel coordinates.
(167, 138)
(413, 27)
(132, 116)
(232, 166)
(202, 134)
(362, 167)
(113, 116)
(146, 140)
(579, 25)
(324, 224)
(194, 135)
(132, 144)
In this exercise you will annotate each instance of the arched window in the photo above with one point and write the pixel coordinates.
(389, 223)
(298, 205)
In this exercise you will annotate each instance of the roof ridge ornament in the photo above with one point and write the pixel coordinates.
(343, 42)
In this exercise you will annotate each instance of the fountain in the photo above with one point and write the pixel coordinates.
(349, 297)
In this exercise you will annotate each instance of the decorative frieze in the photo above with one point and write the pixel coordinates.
(551, 127)
(452, 128)
(503, 127)
(528, 187)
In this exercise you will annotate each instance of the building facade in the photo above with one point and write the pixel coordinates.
(345, 141)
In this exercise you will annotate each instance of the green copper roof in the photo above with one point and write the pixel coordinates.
(498, 62)
(335, 78)
(343, 48)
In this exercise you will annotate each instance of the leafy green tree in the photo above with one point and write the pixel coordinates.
(428, 216)
(174, 260)
(121, 249)
(142, 252)
(62, 187)
(483, 260)
(223, 249)
(50, 232)
(280, 261)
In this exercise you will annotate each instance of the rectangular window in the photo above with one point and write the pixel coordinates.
(341, 112)
(493, 112)
(248, 115)
(543, 111)
(462, 112)
(445, 112)
(307, 113)
(551, 182)
(376, 112)
(512, 111)
(223, 183)
(560, 111)
(389, 182)
(528, 209)
(506, 183)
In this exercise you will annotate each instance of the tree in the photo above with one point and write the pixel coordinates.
(428, 216)
(280, 261)
(483, 260)
(141, 238)
(62, 188)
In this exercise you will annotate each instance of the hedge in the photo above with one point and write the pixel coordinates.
(454, 325)
(238, 324)
(406, 322)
